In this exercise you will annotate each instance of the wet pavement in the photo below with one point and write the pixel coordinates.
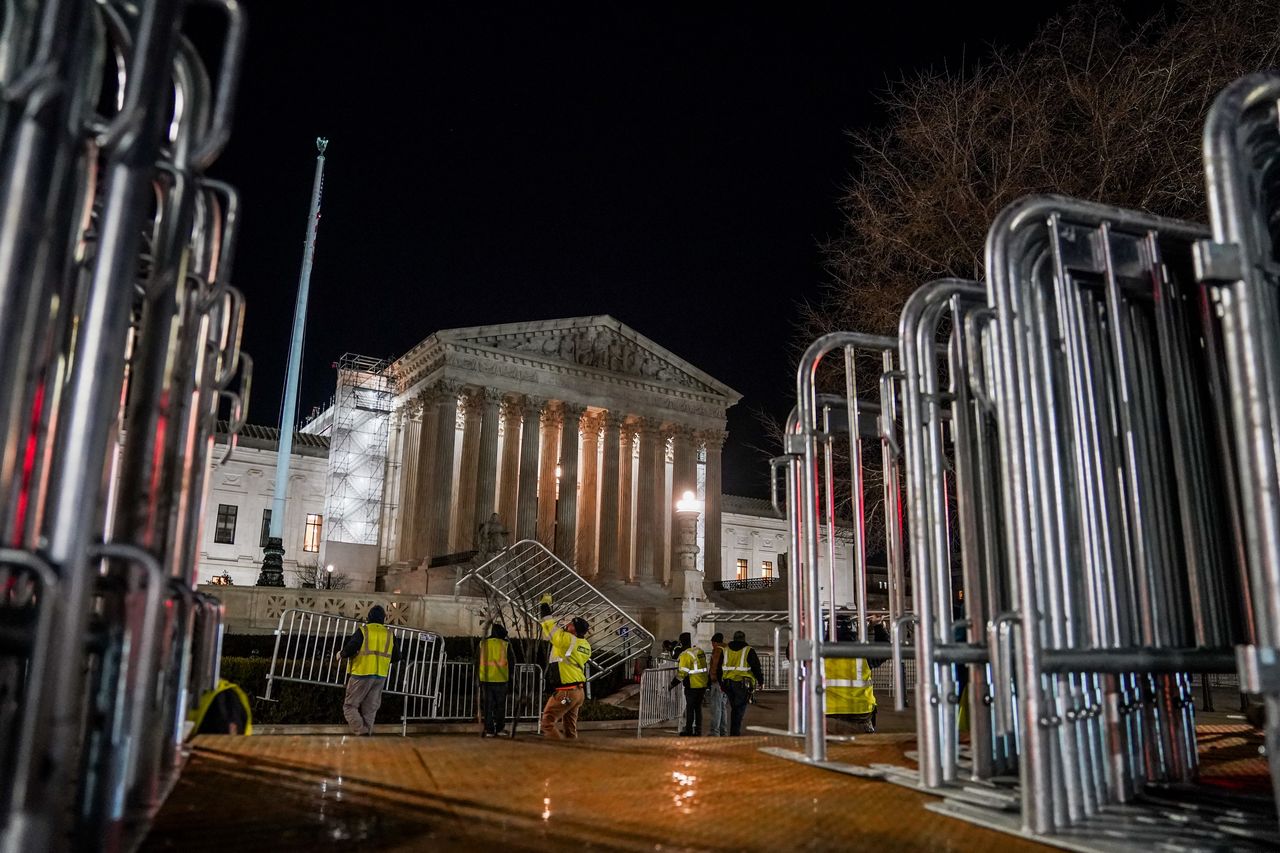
(607, 791)
(457, 792)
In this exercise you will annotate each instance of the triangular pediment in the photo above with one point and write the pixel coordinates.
(597, 343)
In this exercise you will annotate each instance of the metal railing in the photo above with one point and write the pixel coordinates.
(521, 574)
(120, 335)
(458, 692)
(659, 703)
(1101, 417)
(747, 583)
(1239, 265)
(307, 652)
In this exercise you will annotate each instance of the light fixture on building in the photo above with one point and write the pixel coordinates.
(328, 577)
(688, 503)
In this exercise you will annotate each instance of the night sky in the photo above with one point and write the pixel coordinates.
(674, 167)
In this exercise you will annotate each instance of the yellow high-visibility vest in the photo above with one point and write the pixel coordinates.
(693, 663)
(736, 665)
(493, 661)
(374, 657)
(197, 715)
(569, 653)
(848, 686)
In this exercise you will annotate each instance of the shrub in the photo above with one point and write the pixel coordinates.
(314, 704)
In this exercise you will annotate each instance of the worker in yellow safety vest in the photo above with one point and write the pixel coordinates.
(224, 710)
(369, 651)
(740, 673)
(494, 678)
(693, 671)
(848, 694)
(566, 671)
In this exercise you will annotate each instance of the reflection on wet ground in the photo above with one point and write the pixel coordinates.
(459, 792)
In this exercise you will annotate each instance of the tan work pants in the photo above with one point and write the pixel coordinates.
(360, 705)
(563, 704)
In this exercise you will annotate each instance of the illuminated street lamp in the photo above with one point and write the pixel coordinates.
(687, 510)
(328, 576)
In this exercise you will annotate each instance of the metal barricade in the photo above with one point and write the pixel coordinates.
(659, 703)
(307, 652)
(1115, 575)
(1241, 142)
(120, 334)
(951, 460)
(864, 411)
(458, 689)
(521, 574)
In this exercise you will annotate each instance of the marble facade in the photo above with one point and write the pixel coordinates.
(580, 433)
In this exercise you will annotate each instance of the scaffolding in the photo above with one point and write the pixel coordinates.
(358, 449)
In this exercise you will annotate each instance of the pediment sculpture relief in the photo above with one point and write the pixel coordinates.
(599, 348)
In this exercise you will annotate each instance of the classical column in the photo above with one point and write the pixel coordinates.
(410, 435)
(684, 478)
(712, 569)
(440, 484)
(626, 506)
(566, 537)
(587, 506)
(549, 458)
(609, 567)
(508, 481)
(418, 545)
(648, 522)
(487, 468)
(464, 525)
(527, 492)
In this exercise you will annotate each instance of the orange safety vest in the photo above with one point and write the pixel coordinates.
(374, 657)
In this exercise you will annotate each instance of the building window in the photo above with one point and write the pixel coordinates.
(742, 570)
(266, 528)
(766, 568)
(225, 532)
(311, 537)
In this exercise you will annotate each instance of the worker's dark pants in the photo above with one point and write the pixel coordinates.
(693, 697)
(493, 704)
(739, 696)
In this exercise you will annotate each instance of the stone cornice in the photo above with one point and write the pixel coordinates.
(479, 362)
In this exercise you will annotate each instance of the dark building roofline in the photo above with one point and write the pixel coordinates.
(268, 438)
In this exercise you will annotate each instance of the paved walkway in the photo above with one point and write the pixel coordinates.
(456, 792)
(607, 791)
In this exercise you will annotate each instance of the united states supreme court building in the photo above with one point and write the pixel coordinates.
(580, 433)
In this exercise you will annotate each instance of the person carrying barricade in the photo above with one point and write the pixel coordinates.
(692, 670)
(566, 671)
(495, 676)
(371, 650)
(742, 674)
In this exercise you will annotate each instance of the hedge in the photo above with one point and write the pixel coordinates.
(313, 704)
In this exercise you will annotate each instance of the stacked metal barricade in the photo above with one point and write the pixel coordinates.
(119, 336)
(1090, 459)
(515, 580)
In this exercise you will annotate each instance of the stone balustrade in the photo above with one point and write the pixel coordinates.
(257, 609)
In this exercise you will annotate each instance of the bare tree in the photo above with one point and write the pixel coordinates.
(313, 576)
(1095, 107)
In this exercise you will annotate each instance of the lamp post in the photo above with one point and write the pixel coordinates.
(687, 510)
(328, 576)
(686, 580)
